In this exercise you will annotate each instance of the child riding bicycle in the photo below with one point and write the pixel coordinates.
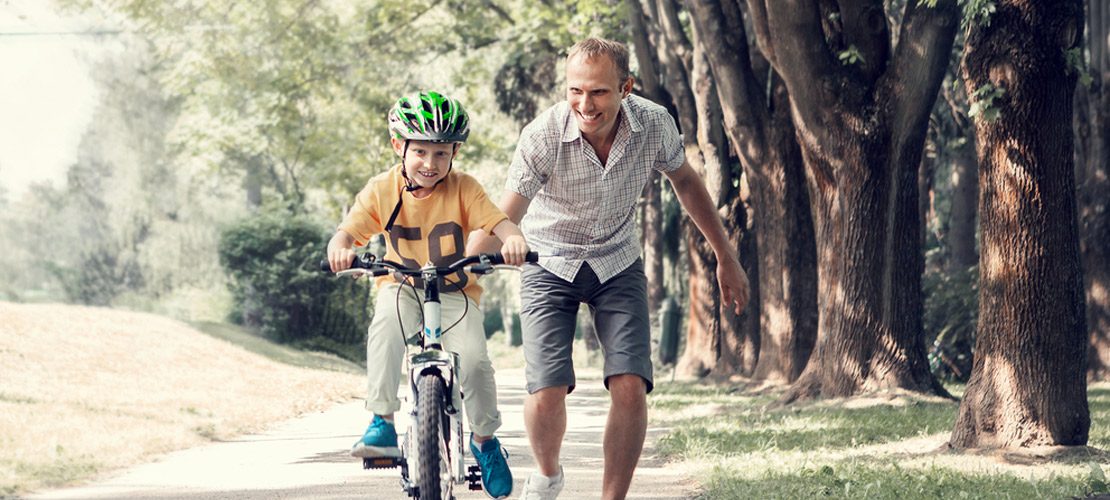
(426, 210)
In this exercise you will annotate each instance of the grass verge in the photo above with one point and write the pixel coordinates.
(888, 447)
(85, 391)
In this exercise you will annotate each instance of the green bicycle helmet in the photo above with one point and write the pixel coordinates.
(429, 116)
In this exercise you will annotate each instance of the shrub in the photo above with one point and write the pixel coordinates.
(273, 264)
(950, 319)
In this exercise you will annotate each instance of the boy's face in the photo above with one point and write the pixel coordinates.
(426, 162)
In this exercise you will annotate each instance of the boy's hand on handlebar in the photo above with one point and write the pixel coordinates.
(340, 258)
(340, 252)
(514, 249)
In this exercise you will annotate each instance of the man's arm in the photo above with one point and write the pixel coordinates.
(695, 199)
(514, 206)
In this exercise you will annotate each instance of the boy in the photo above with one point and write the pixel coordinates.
(426, 210)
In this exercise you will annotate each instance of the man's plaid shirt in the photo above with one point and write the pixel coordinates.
(582, 211)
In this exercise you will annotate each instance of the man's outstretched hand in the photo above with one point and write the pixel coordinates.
(734, 284)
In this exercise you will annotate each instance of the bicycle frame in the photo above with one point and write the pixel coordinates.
(431, 361)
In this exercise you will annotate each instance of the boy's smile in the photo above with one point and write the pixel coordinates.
(425, 163)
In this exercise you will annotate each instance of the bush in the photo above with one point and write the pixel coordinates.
(273, 264)
(951, 316)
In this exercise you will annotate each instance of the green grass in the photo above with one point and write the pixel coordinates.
(738, 445)
(283, 354)
(860, 480)
(1098, 401)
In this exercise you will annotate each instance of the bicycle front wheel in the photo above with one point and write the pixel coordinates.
(432, 437)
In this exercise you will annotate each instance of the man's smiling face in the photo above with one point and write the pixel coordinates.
(594, 91)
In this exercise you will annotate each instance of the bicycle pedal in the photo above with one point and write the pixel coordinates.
(380, 462)
(474, 477)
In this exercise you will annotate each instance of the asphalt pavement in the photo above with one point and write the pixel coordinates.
(307, 458)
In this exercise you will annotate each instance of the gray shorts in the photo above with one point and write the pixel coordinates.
(548, 314)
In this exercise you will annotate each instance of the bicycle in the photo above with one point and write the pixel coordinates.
(436, 463)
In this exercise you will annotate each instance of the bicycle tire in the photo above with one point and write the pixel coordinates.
(434, 482)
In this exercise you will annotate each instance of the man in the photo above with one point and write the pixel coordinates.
(583, 164)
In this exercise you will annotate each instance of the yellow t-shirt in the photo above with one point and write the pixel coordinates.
(430, 229)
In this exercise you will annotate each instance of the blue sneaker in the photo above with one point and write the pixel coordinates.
(497, 479)
(380, 440)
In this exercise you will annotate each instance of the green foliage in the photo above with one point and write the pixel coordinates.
(273, 261)
(977, 12)
(1096, 480)
(1076, 63)
(982, 102)
(850, 56)
(950, 318)
(537, 40)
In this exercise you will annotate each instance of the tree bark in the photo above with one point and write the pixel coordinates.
(1028, 382)
(861, 128)
(762, 135)
(651, 201)
(703, 327)
(961, 223)
(1094, 193)
(740, 335)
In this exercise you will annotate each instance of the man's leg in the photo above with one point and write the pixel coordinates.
(620, 312)
(548, 312)
(545, 418)
(624, 433)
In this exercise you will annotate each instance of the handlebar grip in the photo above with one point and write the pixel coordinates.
(325, 266)
(498, 259)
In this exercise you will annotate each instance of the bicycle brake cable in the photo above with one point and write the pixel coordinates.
(466, 308)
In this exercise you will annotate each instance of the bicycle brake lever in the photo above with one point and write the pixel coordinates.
(480, 269)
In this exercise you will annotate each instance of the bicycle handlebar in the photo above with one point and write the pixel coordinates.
(382, 267)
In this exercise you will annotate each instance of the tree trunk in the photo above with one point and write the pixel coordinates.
(740, 337)
(1028, 382)
(652, 243)
(762, 135)
(1094, 194)
(961, 223)
(651, 201)
(862, 126)
(703, 326)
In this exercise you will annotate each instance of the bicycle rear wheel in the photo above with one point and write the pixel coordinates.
(432, 434)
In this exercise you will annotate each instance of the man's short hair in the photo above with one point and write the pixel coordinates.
(594, 47)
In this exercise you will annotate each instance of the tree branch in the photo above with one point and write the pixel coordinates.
(802, 57)
(919, 63)
(742, 101)
(499, 11)
(758, 11)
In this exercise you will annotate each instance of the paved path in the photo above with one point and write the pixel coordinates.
(306, 458)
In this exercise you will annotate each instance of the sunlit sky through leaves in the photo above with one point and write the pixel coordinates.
(46, 94)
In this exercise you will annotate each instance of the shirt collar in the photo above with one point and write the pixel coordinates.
(572, 133)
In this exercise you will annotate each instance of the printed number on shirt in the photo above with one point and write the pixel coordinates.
(449, 230)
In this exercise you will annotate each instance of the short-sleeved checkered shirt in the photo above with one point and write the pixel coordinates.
(582, 211)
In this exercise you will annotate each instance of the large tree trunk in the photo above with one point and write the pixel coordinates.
(703, 327)
(652, 200)
(1094, 194)
(762, 136)
(1028, 383)
(861, 127)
